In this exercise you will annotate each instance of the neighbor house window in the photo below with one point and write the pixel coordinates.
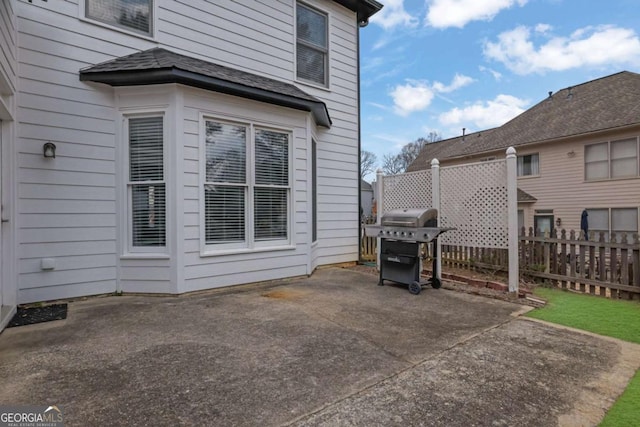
(312, 45)
(624, 220)
(614, 159)
(528, 165)
(247, 188)
(614, 220)
(521, 222)
(146, 182)
(135, 15)
(599, 222)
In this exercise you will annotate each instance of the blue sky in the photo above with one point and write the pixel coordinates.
(441, 65)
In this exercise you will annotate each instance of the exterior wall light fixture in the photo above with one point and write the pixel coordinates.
(49, 150)
(558, 222)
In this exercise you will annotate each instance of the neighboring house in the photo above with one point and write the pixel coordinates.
(197, 144)
(577, 149)
(366, 199)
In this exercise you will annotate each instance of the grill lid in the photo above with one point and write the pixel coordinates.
(414, 217)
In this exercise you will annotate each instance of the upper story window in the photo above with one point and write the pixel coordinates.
(134, 15)
(613, 159)
(312, 45)
(529, 165)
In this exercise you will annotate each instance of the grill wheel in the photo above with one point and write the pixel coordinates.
(415, 288)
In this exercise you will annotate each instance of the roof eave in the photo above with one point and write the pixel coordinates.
(174, 75)
(364, 8)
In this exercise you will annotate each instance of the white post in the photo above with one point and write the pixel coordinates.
(379, 210)
(512, 215)
(435, 203)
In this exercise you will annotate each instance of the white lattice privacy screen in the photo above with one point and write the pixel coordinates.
(408, 190)
(473, 198)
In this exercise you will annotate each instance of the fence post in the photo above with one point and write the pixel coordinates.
(379, 210)
(435, 201)
(512, 218)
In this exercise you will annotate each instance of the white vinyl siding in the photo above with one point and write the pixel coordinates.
(134, 15)
(247, 186)
(312, 45)
(611, 160)
(74, 208)
(8, 54)
(146, 187)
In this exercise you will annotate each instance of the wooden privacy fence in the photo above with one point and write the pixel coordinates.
(595, 266)
(592, 266)
(368, 244)
(465, 257)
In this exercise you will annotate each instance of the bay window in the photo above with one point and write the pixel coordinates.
(247, 187)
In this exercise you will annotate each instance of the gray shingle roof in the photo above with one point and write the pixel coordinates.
(158, 65)
(606, 103)
(524, 197)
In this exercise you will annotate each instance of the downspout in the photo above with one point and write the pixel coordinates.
(360, 24)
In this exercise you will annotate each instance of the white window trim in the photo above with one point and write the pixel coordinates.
(128, 250)
(327, 85)
(609, 170)
(154, 22)
(250, 245)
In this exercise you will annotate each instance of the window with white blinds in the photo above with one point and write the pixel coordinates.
(146, 183)
(135, 15)
(271, 184)
(225, 190)
(312, 45)
(245, 205)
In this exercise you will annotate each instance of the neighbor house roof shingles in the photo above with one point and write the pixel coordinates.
(606, 103)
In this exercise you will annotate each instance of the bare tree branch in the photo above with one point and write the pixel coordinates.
(399, 163)
(392, 165)
(368, 162)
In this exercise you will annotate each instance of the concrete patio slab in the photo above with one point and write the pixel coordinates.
(332, 349)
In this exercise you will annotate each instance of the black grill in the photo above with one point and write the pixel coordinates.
(401, 233)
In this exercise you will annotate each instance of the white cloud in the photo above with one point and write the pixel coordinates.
(496, 75)
(416, 95)
(393, 15)
(589, 46)
(459, 81)
(458, 13)
(543, 28)
(485, 114)
(411, 97)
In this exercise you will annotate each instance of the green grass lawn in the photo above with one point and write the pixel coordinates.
(614, 318)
